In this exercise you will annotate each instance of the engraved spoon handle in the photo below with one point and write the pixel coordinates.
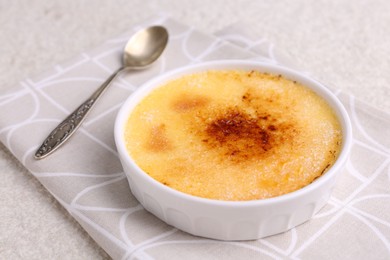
(67, 127)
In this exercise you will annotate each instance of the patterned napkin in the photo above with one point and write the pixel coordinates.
(86, 177)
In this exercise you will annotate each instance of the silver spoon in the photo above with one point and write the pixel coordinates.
(141, 50)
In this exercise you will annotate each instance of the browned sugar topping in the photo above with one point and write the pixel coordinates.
(241, 136)
(158, 140)
(187, 103)
(235, 126)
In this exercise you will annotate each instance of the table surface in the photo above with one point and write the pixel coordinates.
(351, 38)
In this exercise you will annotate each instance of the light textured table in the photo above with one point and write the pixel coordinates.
(35, 35)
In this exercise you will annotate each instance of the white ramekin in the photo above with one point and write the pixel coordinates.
(231, 220)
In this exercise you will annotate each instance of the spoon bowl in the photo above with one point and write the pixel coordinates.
(141, 50)
(138, 55)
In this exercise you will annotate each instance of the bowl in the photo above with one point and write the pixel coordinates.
(231, 220)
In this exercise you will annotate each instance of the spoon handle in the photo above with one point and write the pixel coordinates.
(68, 127)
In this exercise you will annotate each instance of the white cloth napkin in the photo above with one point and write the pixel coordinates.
(85, 175)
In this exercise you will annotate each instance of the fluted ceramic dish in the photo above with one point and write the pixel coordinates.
(231, 220)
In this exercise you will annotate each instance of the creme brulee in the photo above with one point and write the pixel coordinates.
(233, 135)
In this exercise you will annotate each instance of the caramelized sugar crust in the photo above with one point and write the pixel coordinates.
(233, 135)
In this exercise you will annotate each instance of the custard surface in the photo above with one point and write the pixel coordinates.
(233, 135)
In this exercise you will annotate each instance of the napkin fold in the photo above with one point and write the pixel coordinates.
(86, 177)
